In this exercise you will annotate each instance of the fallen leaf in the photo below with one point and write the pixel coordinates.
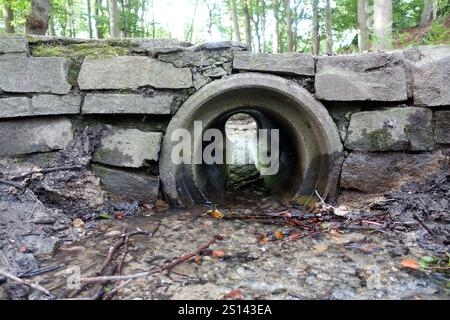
(218, 253)
(215, 213)
(294, 236)
(104, 216)
(233, 294)
(341, 211)
(198, 259)
(279, 235)
(263, 239)
(78, 223)
(410, 264)
(119, 215)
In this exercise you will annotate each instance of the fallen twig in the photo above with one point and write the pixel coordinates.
(46, 170)
(168, 266)
(13, 184)
(27, 283)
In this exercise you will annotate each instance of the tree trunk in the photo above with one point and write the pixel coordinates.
(247, 25)
(428, 13)
(234, 19)
(37, 20)
(290, 34)
(328, 28)
(363, 32)
(89, 17)
(8, 17)
(315, 27)
(51, 26)
(276, 31)
(143, 19)
(382, 24)
(97, 11)
(113, 19)
(263, 26)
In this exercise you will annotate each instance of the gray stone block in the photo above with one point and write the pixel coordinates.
(52, 104)
(31, 74)
(442, 130)
(34, 135)
(287, 63)
(368, 76)
(380, 172)
(403, 128)
(431, 74)
(15, 107)
(131, 72)
(128, 185)
(39, 105)
(128, 148)
(13, 44)
(128, 103)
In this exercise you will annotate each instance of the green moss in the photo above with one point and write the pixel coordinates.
(80, 50)
(103, 154)
(378, 139)
(76, 52)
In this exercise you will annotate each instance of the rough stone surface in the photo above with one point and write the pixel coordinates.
(199, 58)
(369, 76)
(156, 46)
(128, 103)
(39, 105)
(128, 148)
(380, 172)
(432, 76)
(34, 74)
(131, 72)
(289, 63)
(13, 44)
(407, 128)
(53, 104)
(442, 130)
(128, 185)
(15, 107)
(34, 135)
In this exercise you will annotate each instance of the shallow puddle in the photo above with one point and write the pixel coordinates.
(328, 266)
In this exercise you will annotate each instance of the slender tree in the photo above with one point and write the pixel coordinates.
(382, 24)
(315, 27)
(113, 19)
(235, 21)
(363, 32)
(8, 17)
(290, 33)
(328, 27)
(89, 18)
(429, 12)
(276, 24)
(37, 20)
(263, 25)
(247, 24)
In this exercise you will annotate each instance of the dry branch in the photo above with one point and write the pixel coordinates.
(27, 283)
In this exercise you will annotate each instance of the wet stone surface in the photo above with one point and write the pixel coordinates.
(330, 266)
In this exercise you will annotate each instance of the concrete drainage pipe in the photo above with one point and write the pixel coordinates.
(310, 151)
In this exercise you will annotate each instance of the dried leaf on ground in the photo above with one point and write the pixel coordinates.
(410, 264)
(233, 294)
(215, 214)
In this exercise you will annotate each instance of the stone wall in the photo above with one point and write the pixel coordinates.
(392, 109)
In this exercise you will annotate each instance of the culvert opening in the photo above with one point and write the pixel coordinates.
(262, 160)
(310, 151)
